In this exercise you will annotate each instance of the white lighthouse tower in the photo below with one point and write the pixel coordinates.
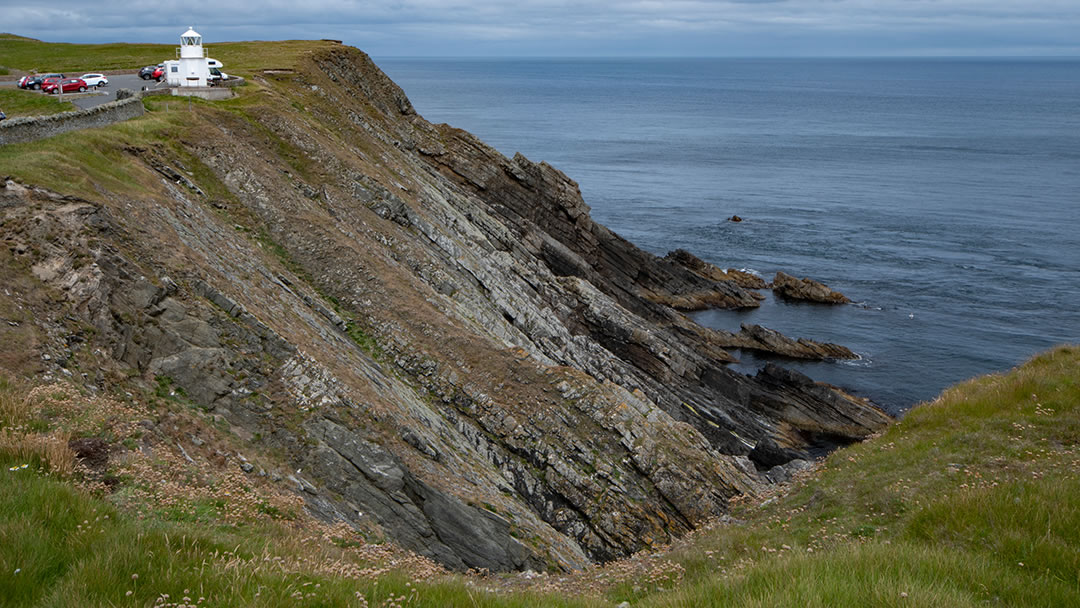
(192, 67)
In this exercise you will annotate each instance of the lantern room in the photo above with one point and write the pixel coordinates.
(191, 70)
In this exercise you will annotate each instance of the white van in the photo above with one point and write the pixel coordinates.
(216, 76)
(214, 63)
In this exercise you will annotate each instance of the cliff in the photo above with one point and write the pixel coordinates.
(416, 334)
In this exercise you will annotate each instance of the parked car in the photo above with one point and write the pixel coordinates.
(95, 80)
(22, 81)
(35, 81)
(159, 73)
(148, 72)
(67, 85)
(216, 76)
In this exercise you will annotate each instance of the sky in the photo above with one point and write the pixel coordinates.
(580, 28)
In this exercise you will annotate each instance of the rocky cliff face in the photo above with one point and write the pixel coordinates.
(431, 341)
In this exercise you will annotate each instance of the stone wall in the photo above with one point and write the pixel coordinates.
(25, 129)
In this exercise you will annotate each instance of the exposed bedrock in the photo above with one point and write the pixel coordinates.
(439, 337)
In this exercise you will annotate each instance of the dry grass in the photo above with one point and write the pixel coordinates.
(50, 449)
(17, 442)
(13, 404)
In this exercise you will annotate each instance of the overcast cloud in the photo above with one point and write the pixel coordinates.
(581, 27)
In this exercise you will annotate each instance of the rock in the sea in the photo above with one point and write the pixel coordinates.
(746, 280)
(696, 265)
(734, 218)
(763, 338)
(759, 338)
(807, 289)
(706, 270)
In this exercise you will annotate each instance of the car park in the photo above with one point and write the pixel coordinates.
(95, 80)
(37, 80)
(66, 85)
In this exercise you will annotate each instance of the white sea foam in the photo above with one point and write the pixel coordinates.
(860, 360)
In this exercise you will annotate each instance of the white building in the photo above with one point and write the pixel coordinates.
(172, 72)
(191, 69)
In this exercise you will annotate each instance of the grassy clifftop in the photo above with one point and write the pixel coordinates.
(971, 500)
(30, 55)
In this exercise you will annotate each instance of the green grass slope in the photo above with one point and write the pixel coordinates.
(16, 102)
(971, 500)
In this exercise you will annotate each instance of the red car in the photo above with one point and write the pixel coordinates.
(159, 73)
(68, 85)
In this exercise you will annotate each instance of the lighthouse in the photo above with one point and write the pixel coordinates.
(191, 70)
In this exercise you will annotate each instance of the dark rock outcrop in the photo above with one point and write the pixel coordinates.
(708, 271)
(806, 289)
(363, 475)
(767, 454)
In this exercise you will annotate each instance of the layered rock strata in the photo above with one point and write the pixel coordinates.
(436, 341)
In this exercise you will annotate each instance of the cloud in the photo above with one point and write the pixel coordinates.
(558, 27)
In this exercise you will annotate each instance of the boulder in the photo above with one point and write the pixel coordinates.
(767, 454)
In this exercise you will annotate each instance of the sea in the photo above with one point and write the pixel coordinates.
(941, 195)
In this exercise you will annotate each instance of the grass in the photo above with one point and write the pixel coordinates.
(16, 102)
(30, 55)
(61, 547)
(95, 159)
(973, 499)
(240, 58)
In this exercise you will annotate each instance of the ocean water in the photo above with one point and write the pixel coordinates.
(941, 195)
